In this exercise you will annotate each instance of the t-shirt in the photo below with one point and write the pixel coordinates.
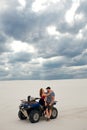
(49, 98)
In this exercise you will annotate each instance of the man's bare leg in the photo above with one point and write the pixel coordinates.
(47, 113)
(50, 113)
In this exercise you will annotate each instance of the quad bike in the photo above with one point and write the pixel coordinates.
(33, 110)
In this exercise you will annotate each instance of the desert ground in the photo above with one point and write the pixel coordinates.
(70, 94)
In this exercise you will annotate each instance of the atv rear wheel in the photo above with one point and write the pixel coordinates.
(34, 116)
(21, 116)
(54, 113)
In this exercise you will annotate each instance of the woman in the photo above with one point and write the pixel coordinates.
(43, 96)
(43, 101)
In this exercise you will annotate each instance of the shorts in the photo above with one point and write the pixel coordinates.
(49, 106)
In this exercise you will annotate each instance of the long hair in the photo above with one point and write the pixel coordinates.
(41, 91)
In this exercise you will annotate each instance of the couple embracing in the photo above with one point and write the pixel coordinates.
(47, 100)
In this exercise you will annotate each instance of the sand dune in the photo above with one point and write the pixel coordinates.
(72, 104)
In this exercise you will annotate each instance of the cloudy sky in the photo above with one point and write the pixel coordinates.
(43, 39)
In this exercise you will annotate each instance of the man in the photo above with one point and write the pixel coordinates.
(50, 100)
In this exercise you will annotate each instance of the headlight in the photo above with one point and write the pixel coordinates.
(21, 107)
(29, 106)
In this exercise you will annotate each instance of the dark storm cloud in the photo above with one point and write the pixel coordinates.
(3, 73)
(64, 27)
(71, 47)
(82, 8)
(19, 24)
(81, 59)
(20, 57)
(2, 38)
(65, 46)
(2, 48)
(51, 64)
(3, 45)
(15, 22)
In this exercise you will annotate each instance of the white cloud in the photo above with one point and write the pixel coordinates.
(77, 67)
(79, 35)
(18, 46)
(52, 30)
(79, 17)
(70, 14)
(3, 5)
(22, 3)
(40, 5)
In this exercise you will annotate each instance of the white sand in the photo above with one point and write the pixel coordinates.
(72, 104)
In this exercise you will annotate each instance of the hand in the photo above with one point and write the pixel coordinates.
(45, 104)
(50, 104)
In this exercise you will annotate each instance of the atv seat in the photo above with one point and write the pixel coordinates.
(54, 102)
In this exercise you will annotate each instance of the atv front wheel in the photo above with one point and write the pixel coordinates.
(21, 116)
(34, 116)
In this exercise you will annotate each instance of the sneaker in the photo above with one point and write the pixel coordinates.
(48, 119)
(45, 116)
